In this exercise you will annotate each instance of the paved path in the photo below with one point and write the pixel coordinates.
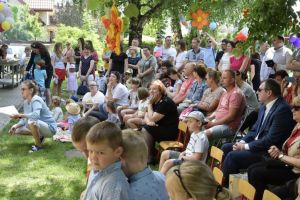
(9, 96)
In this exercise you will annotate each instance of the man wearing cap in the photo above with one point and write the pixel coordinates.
(276, 58)
(196, 149)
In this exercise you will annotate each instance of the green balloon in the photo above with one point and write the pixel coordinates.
(92, 4)
(14, 9)
(131, 11)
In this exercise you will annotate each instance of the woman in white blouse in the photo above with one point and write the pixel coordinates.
(224, 62)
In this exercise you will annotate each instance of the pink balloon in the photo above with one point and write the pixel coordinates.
(297, 43)
(293, 38)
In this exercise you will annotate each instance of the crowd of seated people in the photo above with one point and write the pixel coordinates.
(214, 104)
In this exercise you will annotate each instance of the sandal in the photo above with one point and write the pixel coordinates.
(35, 148)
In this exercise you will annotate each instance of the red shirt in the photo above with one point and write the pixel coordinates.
(291, 139)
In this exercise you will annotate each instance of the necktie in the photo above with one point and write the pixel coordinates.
(261, 121)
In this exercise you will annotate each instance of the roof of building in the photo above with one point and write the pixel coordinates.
(40, 5)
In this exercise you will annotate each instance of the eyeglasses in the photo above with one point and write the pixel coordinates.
(177, 173)
(296, 108)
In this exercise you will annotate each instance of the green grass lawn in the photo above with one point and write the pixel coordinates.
(46, 174)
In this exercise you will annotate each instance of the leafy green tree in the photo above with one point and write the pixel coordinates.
(26, 26)
(69, 14)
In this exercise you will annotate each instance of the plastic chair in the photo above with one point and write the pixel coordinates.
(216, 154)
(218, 174)
(181, 142)
(246, 189)
(269, 196)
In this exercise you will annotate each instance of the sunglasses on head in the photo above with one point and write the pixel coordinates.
(177, 173)
(296, 108)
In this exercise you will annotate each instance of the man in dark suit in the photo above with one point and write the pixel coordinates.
(273, 126)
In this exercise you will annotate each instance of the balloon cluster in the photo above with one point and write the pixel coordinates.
(242, 35)
(6, 16)
(295, 40)
(113, 23)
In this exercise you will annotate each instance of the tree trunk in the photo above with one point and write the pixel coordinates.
(135, 29)
(136, 25)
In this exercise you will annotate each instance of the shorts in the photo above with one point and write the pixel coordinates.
(222, 131)
(175, 155)
(44, 129)
(61, 74)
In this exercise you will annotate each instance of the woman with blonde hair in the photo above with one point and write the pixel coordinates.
(57, 60)
(284, 162)
(161, 118)
(193, 180)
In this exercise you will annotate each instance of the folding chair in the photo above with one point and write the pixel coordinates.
(269, 196)
(216, 154)
(218, 174)
(246, 189)
(178, 145)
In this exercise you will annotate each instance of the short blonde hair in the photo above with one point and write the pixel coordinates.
(134, 145)
(105, 132)
(198, 180)
(160, 85)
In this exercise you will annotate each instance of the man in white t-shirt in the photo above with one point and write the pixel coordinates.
(168, 52)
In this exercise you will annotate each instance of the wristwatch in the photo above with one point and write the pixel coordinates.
(280, 156)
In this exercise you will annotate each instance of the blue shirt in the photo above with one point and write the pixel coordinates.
(108, 184)
(193, 56)
(209, 57)
(40, 77)
(36, 110)
(196, 92)
(148, 185)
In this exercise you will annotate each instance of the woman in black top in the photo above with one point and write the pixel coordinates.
(118, 63)
(161, 118)
(255, 70)
(38, 49)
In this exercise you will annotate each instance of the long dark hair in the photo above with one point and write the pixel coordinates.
(81, 42)
(90, 43)
(42, 48)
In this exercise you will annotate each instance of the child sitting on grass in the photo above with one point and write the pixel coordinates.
(133, 100)
(80, 130)
(112, 113)
(145, 184)
(196, 149)
(106, 180)
(57, 112)
(136, 120)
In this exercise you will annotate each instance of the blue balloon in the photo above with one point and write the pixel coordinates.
(213, 25)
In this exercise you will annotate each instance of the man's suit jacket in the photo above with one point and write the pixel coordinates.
(276, 128)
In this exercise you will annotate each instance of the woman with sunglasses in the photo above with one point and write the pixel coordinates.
(193, 180)
(36, 120)
(283, 164)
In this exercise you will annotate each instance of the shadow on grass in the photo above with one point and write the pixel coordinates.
(47, 174)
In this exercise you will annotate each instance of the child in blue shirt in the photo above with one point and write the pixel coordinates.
(106, 180)
(40, 76)
(145, 184)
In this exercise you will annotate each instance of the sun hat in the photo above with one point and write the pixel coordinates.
(73, 108)
(129, 71)
(196, 115)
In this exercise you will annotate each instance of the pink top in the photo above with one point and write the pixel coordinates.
(235, 98)
(235, 64)
(184, 89)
